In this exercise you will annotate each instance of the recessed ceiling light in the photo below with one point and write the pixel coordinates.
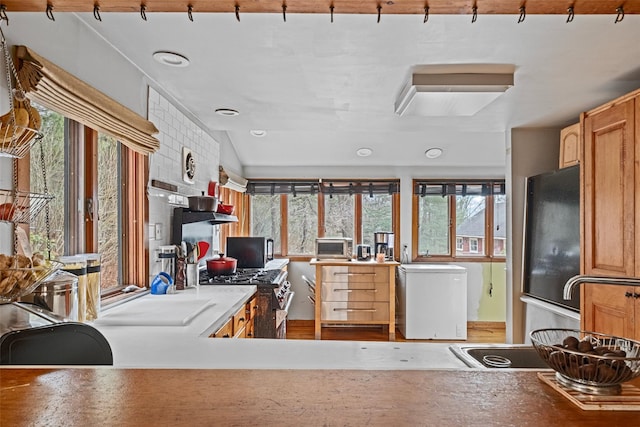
(258, 133)
(171, 59)
(433, 153)
(227, 112)
(364, 152)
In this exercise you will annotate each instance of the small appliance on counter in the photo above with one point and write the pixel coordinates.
(363, 252)
(251, 252)
(384, 243)
(334, 248)
(31, 335)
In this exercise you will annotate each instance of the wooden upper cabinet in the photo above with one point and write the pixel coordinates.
(610, 191)
(570, 143)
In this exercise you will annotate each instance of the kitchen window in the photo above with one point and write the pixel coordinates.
(295, 213)
(466, 215)
(91, 177)
(287, 212)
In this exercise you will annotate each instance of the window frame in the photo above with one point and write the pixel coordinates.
(471, 241)
(395, 218)
(486, 256)
(81, 144)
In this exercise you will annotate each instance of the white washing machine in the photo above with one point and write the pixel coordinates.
(432, 301)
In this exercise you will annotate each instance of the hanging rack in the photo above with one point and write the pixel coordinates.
(49, 12)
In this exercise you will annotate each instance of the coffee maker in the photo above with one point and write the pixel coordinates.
(384, 242)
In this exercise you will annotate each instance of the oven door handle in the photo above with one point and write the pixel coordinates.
(289, 299)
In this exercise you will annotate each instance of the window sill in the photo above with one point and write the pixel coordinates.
(115, 298)
(458, 259)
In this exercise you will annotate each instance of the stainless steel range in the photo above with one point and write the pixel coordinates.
(274, 297)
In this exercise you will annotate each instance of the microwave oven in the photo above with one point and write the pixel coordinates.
(334, 248)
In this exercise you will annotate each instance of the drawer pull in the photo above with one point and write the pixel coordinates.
(354, 290)
(343, 273)
(371, 310)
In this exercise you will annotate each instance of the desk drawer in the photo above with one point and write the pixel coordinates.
(356, 311)
(355, 274)
(358, 291)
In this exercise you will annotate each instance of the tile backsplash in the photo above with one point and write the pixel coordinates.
(177, 132)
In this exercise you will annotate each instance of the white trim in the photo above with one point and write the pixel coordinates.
(550, 307)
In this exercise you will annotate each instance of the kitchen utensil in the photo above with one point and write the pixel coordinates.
(203, 203)
(588, 362)
(212, 189)
(203, 247)
(195, 255)
(223, 266)
(225, 209)
(167, 258)
(363, 252)
(160, 284)
(192, 275)
(58, 293)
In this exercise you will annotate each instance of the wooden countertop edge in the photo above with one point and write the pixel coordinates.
(92, 396)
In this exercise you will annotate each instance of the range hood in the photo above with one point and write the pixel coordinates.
(186, 216)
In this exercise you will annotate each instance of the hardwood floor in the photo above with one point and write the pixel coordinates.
(477, 332)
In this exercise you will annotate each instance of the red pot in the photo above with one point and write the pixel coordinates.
(222, 266)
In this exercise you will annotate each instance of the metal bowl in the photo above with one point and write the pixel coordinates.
(588, 362)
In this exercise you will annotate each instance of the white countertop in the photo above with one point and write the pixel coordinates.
(188, 346)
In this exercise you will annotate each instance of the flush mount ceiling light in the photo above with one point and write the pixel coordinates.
(171, 59)
(228, 112)
(433, 153)
(364, 152)
(258, 133)
(452, 90)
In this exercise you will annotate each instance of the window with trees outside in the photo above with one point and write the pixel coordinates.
(295, 213)
(467, 215)
(86, 173)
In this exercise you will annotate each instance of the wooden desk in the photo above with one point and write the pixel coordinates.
(355, 293)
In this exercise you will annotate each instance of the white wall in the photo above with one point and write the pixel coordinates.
(529, 152)
(177, 131)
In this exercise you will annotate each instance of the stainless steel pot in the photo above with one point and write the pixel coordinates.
(203, 203)
(58, 294)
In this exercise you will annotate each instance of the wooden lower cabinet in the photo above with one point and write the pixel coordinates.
(611, 309)
(240, 325)
(354, 293)
(225, 331)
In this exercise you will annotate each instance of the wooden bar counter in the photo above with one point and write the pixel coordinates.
(156, 397)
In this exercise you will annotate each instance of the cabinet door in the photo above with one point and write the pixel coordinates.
(608, 309)
(609, 191)
(570, 146)
(226, 331)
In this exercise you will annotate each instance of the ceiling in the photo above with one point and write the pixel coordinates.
(321, 90)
